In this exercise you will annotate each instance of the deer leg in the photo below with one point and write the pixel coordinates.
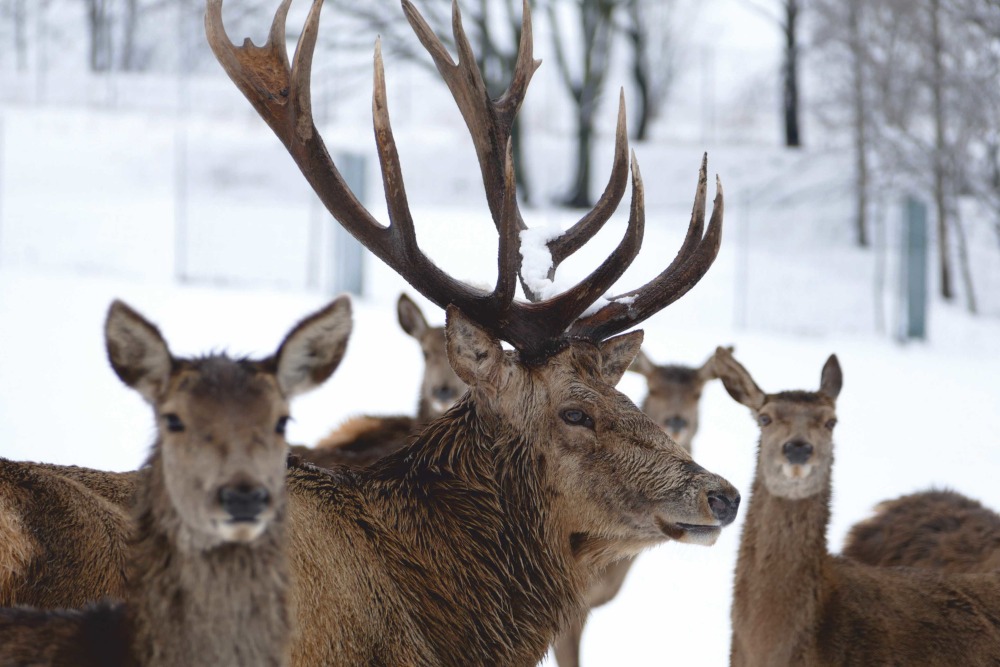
(567, 644)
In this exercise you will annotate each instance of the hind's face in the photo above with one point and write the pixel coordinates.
(796, 444)
(223, 450)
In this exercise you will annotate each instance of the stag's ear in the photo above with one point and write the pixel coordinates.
(737, 380)
(472, 352)
(312, 350)
(410, 317)
(642, 365)
(617, 353)
(708, 370)
(832, 378)
(137, 351)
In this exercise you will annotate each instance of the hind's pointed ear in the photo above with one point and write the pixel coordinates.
(410, 317)
(642, 365)
(618, 353)
(708, 370)
(832, 378)
(137, 351)
(473, 352)
(737, 380)
(312, 350)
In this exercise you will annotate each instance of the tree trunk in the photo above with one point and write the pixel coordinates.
(579, 196)
(860, 125)
(964, 265)
(790, 75)
(100, 35)
(637, 37)
(939, 167)
(130, 26)
(20, 18)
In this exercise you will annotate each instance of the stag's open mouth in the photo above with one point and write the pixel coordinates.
(692, 533)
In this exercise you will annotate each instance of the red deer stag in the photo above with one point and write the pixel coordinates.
(796, 604)
(64, 529)
(487, 529)
(673, 394)
(208, 578)
(942, 530)
(360, 441)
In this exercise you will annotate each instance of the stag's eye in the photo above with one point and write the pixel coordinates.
(174, 423)
(764, 420)
(830, 424)
(282, 424)
(577, 418)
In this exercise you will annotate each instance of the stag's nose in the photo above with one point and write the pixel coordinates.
(244, 502)
(797, 451)
(676, 424)
(724, 506)
(444, 393)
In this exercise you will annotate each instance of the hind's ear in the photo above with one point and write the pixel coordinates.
(832, 378)
(737, 380)
(312, 350)
(473, 352)
(410, 317)
(617, 353)
(137, 351)
(708, 370)
(642, 365)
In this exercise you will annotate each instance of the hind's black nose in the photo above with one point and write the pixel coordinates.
(676, 424)
(244, 502)
(724, 507)
(797, 451)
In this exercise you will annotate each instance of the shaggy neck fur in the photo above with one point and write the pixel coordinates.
(779, 574)
(188, 605)
(477, 556)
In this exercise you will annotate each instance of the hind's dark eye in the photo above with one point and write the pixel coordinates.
(282, 424)
(831, 423)
(577, 418)
(174, 423)
(764, 420)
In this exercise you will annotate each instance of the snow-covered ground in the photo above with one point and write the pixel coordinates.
(94, 206)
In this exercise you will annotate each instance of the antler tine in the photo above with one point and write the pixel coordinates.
(675, 281)
(564, 308)
(577, 236)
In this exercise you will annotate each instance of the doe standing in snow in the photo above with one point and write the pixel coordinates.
(207, 573)
(796, 604)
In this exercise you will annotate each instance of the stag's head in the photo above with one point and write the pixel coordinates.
(220, 449)
(440, 387)
(619, 482)
(673, 395)
(796, 428)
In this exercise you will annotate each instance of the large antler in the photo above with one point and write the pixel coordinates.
(281, 95)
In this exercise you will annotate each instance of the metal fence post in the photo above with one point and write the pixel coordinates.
(346, 254)
(914, 270)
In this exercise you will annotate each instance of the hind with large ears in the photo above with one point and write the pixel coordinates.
(309, 354)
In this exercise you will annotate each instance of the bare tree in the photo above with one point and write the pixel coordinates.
(585, 83)
(650, 31)
(785, 14)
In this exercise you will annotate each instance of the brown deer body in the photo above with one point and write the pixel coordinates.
(360, 441)
(672, 399)
(937, 529)
(796, 604)
(207, 573)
